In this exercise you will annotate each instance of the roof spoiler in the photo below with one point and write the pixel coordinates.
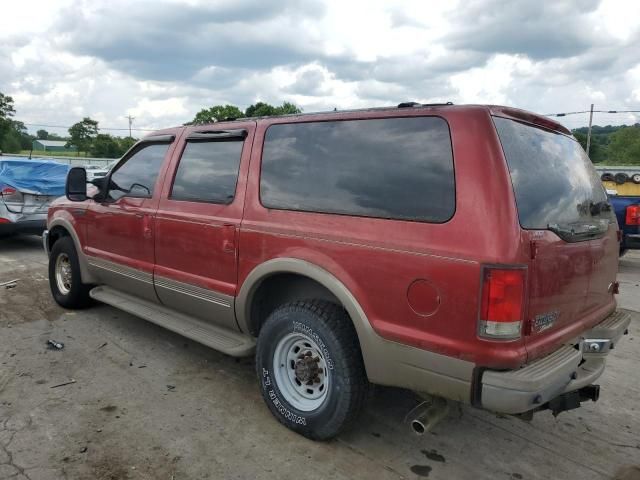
(528, 117)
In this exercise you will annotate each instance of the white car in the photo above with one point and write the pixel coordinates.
(95, 171)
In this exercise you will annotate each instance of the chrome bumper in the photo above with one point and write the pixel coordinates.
(566, 370)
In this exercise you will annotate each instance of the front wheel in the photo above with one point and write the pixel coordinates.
(64, 275)
(310, 368)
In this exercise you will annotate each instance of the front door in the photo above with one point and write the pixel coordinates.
(120, 233)
(197, 223)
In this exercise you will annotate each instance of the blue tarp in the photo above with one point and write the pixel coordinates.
(39, 177)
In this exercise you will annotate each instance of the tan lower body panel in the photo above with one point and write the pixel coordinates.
(221, 339)
(207, 305)
(123, 278)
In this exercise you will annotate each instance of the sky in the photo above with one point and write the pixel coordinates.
(162, 61)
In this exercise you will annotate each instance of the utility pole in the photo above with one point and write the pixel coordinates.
(589, 131)
(131, 119)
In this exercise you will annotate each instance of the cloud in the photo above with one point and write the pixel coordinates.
(171, 41)
(164, 60)
(539, 30)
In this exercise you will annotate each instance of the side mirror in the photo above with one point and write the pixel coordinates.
(76, 187)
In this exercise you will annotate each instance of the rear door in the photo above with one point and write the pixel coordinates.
(198, 220)
(570, 230)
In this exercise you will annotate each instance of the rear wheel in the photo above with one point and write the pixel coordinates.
(310, 368)
(64, 276)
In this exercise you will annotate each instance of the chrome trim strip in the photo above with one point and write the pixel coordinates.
(121, 270)
(193, 291)
(45, 242)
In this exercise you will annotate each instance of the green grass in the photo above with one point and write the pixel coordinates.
(40, 153)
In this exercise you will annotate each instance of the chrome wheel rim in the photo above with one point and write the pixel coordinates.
(63, 273)
(301, 372)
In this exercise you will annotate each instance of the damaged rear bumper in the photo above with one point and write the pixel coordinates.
(559, 380)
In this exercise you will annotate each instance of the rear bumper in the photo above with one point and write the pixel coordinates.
(568, 369)
(631, 241)
(30, 227)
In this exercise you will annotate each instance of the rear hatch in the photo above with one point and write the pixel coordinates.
(569, 229)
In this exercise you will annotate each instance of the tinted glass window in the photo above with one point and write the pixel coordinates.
(208, 172)
(554, 181)
(137, 176)
(389, 168)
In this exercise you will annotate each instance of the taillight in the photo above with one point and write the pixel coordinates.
(502, 302)
(10, 194)
(633, 215)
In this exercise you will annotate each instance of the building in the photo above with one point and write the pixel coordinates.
(51, 146)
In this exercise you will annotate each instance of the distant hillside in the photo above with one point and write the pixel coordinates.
(612, 144)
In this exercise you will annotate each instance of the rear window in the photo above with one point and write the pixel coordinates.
(555, 183)
(400, 168)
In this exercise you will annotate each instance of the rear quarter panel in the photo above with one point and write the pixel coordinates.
(378, 260)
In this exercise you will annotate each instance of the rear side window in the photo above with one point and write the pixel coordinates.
(555, 183)
(208, 172)
(399, 168)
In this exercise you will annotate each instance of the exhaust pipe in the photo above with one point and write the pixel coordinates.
(428, 415)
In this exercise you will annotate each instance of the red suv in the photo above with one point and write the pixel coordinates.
(467, 253)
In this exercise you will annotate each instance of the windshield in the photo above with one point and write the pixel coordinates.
(554, 181)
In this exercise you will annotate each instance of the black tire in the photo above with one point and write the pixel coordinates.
(635, 178)
(329, 326)
(607, 177)
(78, 294)
(621, 178)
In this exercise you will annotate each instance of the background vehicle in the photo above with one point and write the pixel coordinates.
(361, 246)
(27, 187)
(627, 210)
(95, 171)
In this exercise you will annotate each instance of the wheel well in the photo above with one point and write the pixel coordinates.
(56, 233)
(282, 288)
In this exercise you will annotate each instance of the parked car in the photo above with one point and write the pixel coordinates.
(27, 187)
(627, 210)
(426, 247)
(95, 171)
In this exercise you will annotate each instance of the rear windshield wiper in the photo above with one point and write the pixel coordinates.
(571, 234)
(599, 207)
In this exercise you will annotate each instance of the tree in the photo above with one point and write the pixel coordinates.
(6, 112)
(624, 147)
(597, 150)
(42, 135)
(261, 109)
(82, 134)
(216, 113)
(105, 146)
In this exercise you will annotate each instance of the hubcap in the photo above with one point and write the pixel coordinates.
(63, 273)
(301, 372)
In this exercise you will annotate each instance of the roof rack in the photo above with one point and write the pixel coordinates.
(416, 104)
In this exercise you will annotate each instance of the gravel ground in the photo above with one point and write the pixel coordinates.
(148, 404)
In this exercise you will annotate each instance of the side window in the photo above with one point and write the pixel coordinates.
(137, 176)
(208, 171)
(399, 168)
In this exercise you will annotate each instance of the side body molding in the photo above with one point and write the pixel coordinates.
(386, 362)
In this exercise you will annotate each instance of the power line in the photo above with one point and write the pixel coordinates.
(589, 111)
(101, 128)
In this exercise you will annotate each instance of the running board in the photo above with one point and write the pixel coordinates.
(224, 340)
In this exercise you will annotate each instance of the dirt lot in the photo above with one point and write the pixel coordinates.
(148, 404)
